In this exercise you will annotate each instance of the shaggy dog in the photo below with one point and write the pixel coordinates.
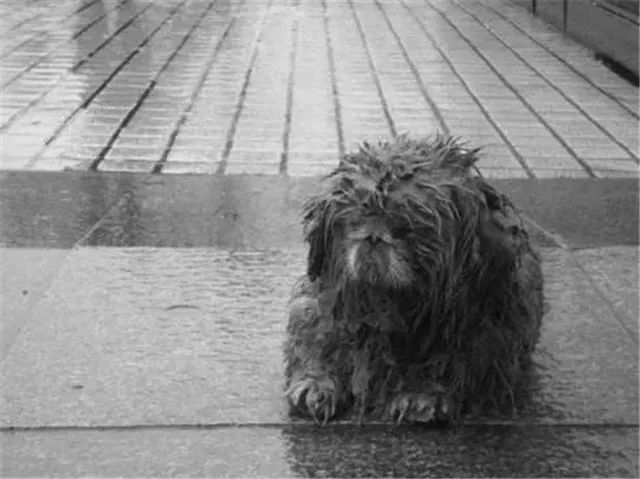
(422, 298)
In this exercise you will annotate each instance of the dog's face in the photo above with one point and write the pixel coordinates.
(375, 241)
(383, 220)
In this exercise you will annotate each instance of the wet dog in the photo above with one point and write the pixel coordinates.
(423, 296)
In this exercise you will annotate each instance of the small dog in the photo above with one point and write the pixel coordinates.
(423, 297)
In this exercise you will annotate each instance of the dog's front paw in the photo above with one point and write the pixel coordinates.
(421, 407)
(317, 397)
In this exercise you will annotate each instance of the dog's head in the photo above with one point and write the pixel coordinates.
(388, 213)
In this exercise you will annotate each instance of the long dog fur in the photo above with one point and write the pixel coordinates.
(423, 296)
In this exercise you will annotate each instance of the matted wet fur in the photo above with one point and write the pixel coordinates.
(423, 297)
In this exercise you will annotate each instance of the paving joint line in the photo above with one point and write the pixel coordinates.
(116, 32)
(12, 49)
(93, 166)
(37, 15)
(342, 424)
(418, 79)
(11, 331)
(550, 83)
(616, 314)
(284, 158)
(152, 84)
(224, 157)
(337, 109)
(9, 51)
(516, 154)
(157, 168)
(18, 114)
(97, 91)
(414, 70)
(563, 245)
(611, 96)
(374, 72)
(57, 45)
(529, 107)
(114, 205)
(53, 50)
(117, 202)
(84, 6)
(22, 22)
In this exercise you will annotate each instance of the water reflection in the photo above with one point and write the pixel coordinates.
(55, 210)
(98, 54)
(470, 451)
(234, 212)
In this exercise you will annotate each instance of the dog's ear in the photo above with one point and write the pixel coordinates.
(500, 226)
(316, 234)
(500, 209)
(492, 197)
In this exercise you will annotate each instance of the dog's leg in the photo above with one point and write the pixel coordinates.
(314, 387)
(430, 404)
(315, 394)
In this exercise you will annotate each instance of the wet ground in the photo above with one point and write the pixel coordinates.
(143, 312)
(143, 319)
(285, 86)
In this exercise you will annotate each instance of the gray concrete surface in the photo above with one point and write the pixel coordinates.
(146, 346)
(142, 313)
(60, 210)
(616, 281)
(23, 287)
(147, 336)
(333, 452)
(160, 354)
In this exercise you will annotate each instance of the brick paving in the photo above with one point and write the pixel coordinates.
(284, 87)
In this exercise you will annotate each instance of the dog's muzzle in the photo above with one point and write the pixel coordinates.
(374, 262)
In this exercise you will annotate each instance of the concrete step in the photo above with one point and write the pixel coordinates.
(180, 349)
(143, 318)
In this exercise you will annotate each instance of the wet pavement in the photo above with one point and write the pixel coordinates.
(143, 317)
(153, 336)
(62, 210)
(143, 312)
(282, 87)
(332, 452)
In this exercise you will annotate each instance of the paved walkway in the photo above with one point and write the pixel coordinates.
(285, 86)
(142, 319)
(142, 315)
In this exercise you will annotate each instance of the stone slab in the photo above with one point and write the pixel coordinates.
(614, 272)
(25, 275)
(330, 452)
(148, 336)
(53, 209)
